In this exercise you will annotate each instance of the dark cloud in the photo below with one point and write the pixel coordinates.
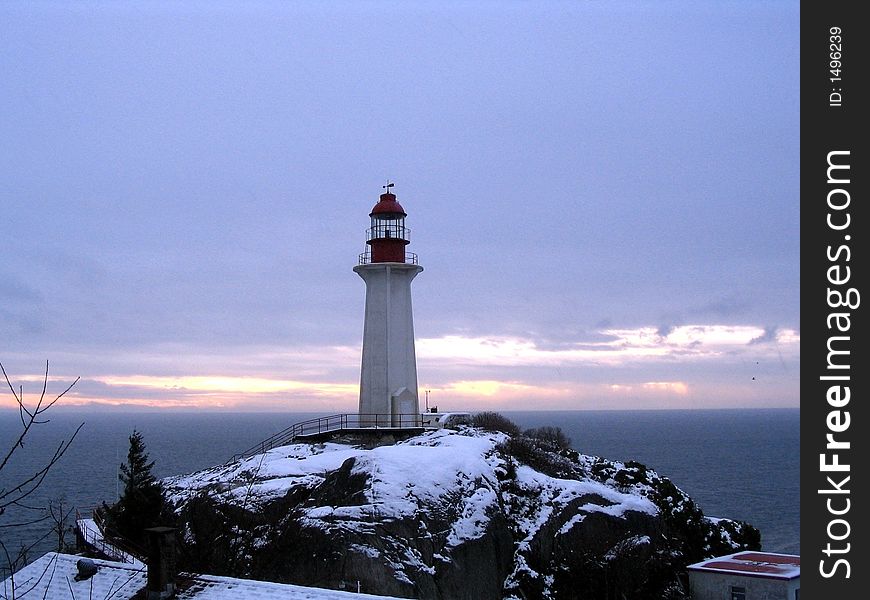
(730, 306)
(14, 290)
(769, 335)
(664, 331)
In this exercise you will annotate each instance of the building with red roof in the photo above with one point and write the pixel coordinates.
(747, 576)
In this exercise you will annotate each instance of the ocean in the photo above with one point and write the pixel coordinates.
(740, 464)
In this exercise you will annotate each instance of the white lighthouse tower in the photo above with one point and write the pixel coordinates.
(388, 379)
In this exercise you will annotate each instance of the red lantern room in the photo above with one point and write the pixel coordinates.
(388, 236)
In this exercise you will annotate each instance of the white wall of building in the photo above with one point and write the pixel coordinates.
(706, 585)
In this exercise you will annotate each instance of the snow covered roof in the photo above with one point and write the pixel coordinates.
(753, 564)
(52, 577)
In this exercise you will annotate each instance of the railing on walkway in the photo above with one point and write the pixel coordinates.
(333, 423)
(110, 546)
(366, 258)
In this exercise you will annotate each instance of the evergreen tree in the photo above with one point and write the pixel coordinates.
(141, 505)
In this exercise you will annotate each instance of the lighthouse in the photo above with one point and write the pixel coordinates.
(388, 377)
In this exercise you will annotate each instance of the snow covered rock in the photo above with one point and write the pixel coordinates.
(447, 514)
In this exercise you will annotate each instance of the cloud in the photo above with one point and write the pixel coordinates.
(665, 330)
(11, 289)
(630, 366)
(676, 387)
(618, 346)
(487, 388)
(724, 307)
(769, 335)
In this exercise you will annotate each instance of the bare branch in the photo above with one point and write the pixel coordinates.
(51, 564)
(31, 420)
(20, 560)
(23, 523)
(44, 385)
(69, 585)
(28, 423)
(59, 396)
(112, 591)
(28, 486)
(9, 383)
(19, 491)
(28, 507)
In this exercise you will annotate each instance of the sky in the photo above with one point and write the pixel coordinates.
(603, 196)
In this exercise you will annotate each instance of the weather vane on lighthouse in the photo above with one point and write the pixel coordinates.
(388, 377)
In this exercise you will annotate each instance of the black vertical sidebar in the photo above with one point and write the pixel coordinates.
(834, 367)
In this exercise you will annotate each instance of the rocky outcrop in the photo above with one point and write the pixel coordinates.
(448, 514)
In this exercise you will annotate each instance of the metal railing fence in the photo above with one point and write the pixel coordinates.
(332, 423)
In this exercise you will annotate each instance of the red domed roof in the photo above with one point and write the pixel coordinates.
(388, 205)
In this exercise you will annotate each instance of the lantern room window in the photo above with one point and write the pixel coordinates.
(388, 227)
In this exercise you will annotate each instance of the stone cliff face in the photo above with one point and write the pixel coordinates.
(448, 514)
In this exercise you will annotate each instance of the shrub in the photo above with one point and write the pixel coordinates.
(530, 452)
(493, 421)
(550, 436)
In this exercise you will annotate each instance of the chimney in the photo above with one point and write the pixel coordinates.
(161, 563)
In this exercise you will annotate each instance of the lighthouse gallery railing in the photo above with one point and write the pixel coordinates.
(366, 258)
(331, 423)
